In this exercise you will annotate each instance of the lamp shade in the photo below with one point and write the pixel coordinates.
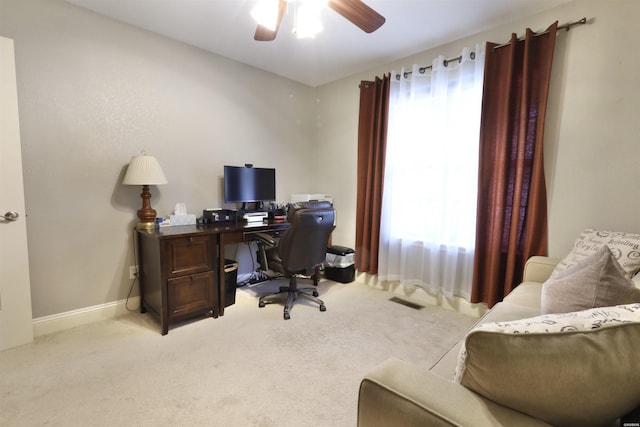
(144, 170)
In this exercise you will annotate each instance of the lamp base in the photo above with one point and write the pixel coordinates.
(146, 225)
(147, 215)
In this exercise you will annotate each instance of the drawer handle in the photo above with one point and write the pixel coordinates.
(193, 278)
(190, 239)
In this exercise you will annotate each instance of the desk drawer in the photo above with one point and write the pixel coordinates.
(191, 294)
(189, 255)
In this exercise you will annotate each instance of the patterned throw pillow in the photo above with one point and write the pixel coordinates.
(625, 248)
(595, 281)
(580, 368)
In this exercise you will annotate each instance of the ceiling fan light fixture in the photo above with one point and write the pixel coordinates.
(265, 12)
(269, 14)
(307, 20)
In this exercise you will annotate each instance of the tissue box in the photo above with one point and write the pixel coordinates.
(188, 219)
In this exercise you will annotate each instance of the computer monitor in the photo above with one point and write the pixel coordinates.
(246, 184)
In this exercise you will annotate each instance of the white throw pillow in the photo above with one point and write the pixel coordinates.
(625, 248)
(580, 368)
(595, 281)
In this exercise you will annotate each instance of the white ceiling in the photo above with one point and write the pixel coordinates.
(225, 27)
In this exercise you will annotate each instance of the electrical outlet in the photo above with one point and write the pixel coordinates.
(133, 272)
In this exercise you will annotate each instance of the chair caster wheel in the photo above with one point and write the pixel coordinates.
(315, 293)
(323, 308)
(287, 316)
(261, 304)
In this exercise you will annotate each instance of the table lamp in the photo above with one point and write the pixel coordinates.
(145, 170)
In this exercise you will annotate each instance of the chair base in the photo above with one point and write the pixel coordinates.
(291, 292)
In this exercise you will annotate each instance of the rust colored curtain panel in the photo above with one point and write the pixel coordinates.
(372, 138)
(512, 203)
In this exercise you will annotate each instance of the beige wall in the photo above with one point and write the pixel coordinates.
(93, 92)
(592, 147)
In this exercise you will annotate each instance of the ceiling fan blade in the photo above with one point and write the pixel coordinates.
(361, 15)
(263, 34)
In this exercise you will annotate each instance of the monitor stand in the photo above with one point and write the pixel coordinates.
(257, 206)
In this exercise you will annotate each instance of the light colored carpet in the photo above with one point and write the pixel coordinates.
(247, 368)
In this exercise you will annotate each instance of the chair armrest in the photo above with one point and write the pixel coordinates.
(539, 268)
(264, 238)
(398, 394)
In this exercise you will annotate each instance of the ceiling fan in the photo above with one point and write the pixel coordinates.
(355, 11)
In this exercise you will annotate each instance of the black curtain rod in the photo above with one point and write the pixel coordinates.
(566, 26)
(446, 62)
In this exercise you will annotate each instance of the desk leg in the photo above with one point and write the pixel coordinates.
(221, 281)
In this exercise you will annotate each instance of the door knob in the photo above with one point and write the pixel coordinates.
(11, 216)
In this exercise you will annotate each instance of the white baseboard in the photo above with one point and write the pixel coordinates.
(69, 319)
(418, 295)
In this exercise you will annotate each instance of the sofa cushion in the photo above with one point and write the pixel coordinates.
(527, 294)
(397, 393)
(502, 311)
(595, 281)
(580, 368)
(625, 248)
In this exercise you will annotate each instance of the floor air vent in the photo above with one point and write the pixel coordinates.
(406, 303)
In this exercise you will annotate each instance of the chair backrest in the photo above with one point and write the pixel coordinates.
(303, 246)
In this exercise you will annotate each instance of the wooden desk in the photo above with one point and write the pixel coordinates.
(182, 268)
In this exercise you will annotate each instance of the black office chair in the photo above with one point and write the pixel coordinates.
(301, 250)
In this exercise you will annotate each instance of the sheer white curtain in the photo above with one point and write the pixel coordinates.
(427, 233)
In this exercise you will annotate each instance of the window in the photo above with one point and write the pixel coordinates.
(429, 202)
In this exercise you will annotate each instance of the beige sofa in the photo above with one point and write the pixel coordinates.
(400, 394)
